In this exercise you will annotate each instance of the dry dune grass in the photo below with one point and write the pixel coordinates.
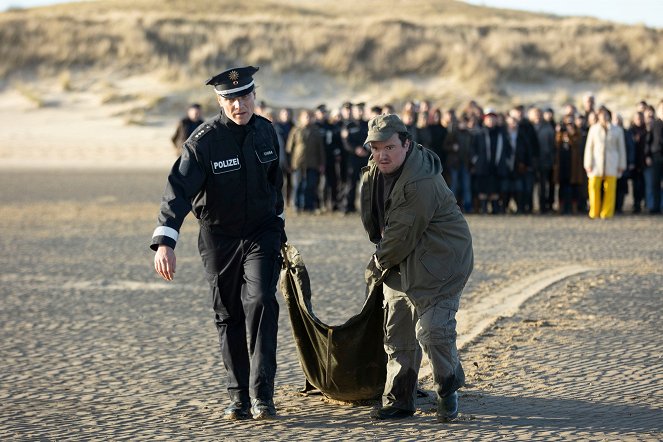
(355, 42)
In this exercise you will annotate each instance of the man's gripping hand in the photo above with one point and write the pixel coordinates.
(373, 270)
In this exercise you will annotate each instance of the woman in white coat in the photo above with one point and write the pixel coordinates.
(604, 161)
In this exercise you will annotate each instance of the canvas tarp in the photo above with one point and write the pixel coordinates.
(345, 362)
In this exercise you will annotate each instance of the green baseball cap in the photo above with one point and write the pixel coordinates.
(382, 127)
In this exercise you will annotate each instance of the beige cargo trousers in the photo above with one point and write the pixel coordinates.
(408, 330)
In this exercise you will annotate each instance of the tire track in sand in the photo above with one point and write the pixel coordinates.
(474, 319)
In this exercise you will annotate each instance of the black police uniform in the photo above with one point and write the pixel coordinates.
(331, 136)
(357, 133)
(228, 175)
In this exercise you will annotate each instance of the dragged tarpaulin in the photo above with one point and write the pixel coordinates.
(345, 362)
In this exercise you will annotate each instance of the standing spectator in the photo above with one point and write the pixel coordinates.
(438, 134)
(591, 119)
(261, 108)
(353, 135)
(638, 133)
(374, 111)
(650, 117)
(527, 128)
(285, 121)
(545, 134)
(588, 105)
(424, 107)
(568, 171)
(523, 172)
(359, 113)
(284, 125)
(582, 129)
(474, 128)
(331, 136)
(388, 109)
(491, 154)
(307, 158)
(283, 156)
(549, 117)
(604, 161)
(654, 161)
(463, 178)
(410, 108)
(450, 148)
(569, 110)
(421, 133)
(622, 181)
(186, 126)
(450, 144)
(409, 119)
(472, 109)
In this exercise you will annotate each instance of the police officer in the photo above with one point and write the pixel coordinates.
(331, 136)
(228, 175)
(353, 133)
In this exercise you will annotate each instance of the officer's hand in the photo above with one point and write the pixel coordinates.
(164, 262)
(284, 237)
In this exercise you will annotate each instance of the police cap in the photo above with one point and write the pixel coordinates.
(234, 82)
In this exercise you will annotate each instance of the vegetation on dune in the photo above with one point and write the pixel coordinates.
(480, 48)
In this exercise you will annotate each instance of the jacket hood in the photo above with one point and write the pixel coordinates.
(421, 163)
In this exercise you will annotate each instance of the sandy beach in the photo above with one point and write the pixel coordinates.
(96, 347)
(559, 325)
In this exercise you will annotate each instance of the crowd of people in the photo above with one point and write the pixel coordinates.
(522, 161)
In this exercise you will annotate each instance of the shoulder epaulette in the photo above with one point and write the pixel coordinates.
(202, 130)
(260, 117)
(263, 119)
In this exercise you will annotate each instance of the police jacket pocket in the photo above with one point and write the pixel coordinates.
(441, 264)
(266, 154)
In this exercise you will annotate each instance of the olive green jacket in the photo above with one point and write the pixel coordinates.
(425, 234)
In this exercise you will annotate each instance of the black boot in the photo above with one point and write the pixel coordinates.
(237, 410)
(390, 412)
(263, 409)
(447, 408)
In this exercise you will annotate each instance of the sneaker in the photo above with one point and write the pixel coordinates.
(237, 411)
(263, 409)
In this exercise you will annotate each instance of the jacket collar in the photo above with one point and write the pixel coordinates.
(234, 127)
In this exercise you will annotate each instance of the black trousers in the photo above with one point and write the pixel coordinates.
(546, 189)
(242, 273)
(354, 174)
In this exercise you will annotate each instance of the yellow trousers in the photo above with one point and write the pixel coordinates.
(603, 206)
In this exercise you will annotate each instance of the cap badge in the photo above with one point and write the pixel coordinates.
(234, 76)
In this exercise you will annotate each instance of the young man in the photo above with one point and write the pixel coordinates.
(228, 175)
(424, 255)
(307, 160)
